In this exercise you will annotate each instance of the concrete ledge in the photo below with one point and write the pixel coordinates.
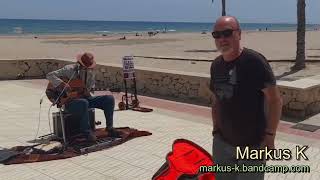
(301, 98)
(301, 84)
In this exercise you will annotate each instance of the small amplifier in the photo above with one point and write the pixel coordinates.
(71, 123)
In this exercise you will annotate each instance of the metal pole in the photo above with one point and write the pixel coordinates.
(135, 88)
(126, 93)
(62, 126)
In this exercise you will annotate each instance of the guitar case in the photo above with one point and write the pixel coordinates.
(184, 162)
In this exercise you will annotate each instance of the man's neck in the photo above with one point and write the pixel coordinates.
(233, 55)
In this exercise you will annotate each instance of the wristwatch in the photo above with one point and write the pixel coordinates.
(214, 132)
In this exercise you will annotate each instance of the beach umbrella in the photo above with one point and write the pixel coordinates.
(301, 36)
(223, 7)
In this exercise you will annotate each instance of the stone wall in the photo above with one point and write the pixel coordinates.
(166, 84)
(28, 68)
(301, 98)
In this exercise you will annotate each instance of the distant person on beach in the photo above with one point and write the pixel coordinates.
(83, 70)
(165, 30)
(247, 103)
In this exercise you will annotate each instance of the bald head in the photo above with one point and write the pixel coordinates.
(227, 35)
(227, 21)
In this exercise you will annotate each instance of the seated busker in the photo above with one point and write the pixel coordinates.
(83, 69)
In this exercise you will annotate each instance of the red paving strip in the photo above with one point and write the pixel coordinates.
(195, 110)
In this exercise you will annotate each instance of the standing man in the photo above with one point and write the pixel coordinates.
(83, 70)
(247, 105)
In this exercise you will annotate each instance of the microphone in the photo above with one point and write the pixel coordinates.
(78, 68)
(78, 65)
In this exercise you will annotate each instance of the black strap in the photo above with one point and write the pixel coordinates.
(85, 78)
(77, 69)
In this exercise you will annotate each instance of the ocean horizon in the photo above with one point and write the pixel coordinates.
(39, 26)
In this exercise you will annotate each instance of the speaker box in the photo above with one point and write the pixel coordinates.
(71, 123)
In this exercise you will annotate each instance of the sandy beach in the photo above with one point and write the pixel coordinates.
(110, 49)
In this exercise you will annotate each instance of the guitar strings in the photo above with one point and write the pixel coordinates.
(64, 88)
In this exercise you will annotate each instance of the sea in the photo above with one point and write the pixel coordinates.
(33, 26)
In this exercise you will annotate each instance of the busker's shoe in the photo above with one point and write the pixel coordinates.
(113, 133)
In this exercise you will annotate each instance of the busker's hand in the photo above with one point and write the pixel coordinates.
(64, 85)
(268, 141)
(86, 93)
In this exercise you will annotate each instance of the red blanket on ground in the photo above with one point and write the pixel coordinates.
(28, 154)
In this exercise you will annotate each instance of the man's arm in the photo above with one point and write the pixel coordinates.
(54, 76)
(214, 115)
(274, 107)
(214, 100)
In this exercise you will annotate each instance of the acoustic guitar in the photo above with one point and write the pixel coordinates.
(77, 90)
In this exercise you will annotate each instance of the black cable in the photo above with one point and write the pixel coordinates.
(39, 117)
(50, 118)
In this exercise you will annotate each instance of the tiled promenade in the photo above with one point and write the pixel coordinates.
(137, 159)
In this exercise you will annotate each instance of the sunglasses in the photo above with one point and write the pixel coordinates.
(225, 33)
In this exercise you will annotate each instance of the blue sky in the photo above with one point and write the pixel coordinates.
(259, 11)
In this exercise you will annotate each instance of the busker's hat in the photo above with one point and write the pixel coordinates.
(87, 60)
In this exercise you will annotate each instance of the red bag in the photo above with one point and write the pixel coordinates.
(184, 162)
